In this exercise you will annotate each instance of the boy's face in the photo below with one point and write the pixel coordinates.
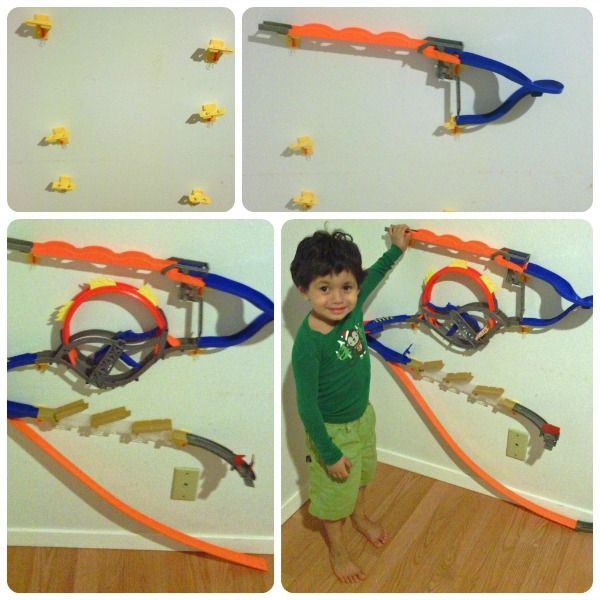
(332, 296)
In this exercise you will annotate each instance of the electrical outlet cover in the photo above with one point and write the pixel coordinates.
(517, 444)
(185, 483)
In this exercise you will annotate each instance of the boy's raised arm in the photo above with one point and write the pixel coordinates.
(400, 237)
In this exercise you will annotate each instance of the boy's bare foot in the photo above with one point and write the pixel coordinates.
(343, 567)
(374, 532)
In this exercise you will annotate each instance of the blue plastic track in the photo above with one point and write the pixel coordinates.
(387, 353)
(212, 280)
(129, 336)
(218, 282)
(563, 288)
(18, 410)
(224, 341)
(528, 87)
(256, 298)
(21, 360)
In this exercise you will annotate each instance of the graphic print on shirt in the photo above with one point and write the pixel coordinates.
(351, 344)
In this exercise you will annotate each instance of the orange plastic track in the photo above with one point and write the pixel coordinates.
(424, 236)
(117, 288)
(408, 383)
(468, 272)
(363, 36)
(233, 556)
(98, 254)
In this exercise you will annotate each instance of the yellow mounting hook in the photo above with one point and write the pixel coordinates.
(198, 196)
(210, 112)
(216, 48)
(293, 41)
(64, 183)
(304, 145)
(59, 135)
(42, 24)
(306, 199)
(451, 125)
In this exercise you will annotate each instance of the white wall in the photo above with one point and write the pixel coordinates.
(549, 372)
(126, 82)
(225, 395)
(376, 117)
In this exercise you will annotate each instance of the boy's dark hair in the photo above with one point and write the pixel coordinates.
(323, 253)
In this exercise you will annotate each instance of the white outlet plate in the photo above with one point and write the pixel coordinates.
(185, 483)
(517, 444)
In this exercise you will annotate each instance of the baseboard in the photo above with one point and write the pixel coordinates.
(124, 540)
(293, 503)
(451, 476)
(461, 479)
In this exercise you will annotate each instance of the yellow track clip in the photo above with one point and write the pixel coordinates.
(210, 112)
(306, 199)
(198, 196)
(64, 183)
(42, 24)
(216, 48)
(59, 135)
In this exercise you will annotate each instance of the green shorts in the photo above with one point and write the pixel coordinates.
(332, 499)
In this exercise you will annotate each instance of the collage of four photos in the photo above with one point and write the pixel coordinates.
(299, 300)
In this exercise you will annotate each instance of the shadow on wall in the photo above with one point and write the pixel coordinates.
(551, 304)
(485, 85)
(229, 308)
(101, 506)
(294, 309)
(230, 319)
(27, 31)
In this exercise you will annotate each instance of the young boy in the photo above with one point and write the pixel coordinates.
(332, 370)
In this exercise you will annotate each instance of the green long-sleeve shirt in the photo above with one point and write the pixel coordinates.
(333, 370)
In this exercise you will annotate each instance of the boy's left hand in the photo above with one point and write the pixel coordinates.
(400, 235)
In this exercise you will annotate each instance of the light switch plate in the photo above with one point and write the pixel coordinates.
(185, 483)
(517, 444)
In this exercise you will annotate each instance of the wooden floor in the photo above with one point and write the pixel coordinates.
(442, 539)
(93, 570)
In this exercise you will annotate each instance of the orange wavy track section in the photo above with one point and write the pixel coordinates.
(254, 562)
(360, 35)
(132, 259)
(469, 462)
(426, 236)
(476, 247)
